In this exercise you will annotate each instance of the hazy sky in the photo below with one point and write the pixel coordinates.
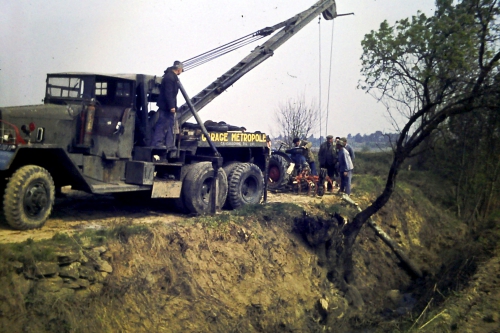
(145, 36)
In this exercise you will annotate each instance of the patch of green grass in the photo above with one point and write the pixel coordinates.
(366, 184)
(273, 209)
(493, 218)
(123, 232)
(42, 252)
(268, 213)
(435, 188)
(342, 209)
(61, 238)
(91, 237)
(27, 252)
(245, 214)
(373, 163)
(217, 222)
(248, 210)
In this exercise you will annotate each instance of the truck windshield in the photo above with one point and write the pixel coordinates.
(68, 87)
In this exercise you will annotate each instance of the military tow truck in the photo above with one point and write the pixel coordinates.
(92, 133)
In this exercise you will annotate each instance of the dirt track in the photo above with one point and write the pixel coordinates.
(80, 210)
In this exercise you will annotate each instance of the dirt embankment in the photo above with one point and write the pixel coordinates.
(247, 271)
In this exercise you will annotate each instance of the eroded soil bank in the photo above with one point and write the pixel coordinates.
(249, 271)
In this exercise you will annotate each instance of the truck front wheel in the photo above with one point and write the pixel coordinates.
(28, 198)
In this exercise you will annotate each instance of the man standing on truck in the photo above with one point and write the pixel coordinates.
(167, 106)
(327, 157)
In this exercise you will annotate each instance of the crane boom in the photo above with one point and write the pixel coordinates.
(285, 30)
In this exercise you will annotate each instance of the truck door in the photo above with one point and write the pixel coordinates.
(109, 136)
(114, 121)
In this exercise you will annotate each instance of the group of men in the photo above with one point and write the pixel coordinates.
(336, 157)
(338, 160)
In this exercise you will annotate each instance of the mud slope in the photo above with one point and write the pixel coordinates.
(241, 272)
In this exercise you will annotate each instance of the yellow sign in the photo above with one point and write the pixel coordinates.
(235, 137)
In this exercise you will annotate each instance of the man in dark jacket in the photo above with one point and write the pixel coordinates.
(306, 153)
(328, 158)
(167, 106)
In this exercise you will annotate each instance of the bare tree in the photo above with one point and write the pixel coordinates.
(296, 119)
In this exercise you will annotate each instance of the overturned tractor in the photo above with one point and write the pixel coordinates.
(287, 176)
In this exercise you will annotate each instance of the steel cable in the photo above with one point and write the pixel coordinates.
(231, 46)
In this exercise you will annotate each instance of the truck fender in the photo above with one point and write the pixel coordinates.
(6, 158)
(56, 160)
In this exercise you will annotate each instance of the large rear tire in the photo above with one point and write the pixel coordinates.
(246, 185)
(229, 169)
(278, 177)
(29, 198)
(180, 206)
(196, 189)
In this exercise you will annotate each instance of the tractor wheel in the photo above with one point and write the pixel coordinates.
(196, 188)
(278, 177)
(321, 189)
(29, 198)
(323, 173)
(246, 185)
